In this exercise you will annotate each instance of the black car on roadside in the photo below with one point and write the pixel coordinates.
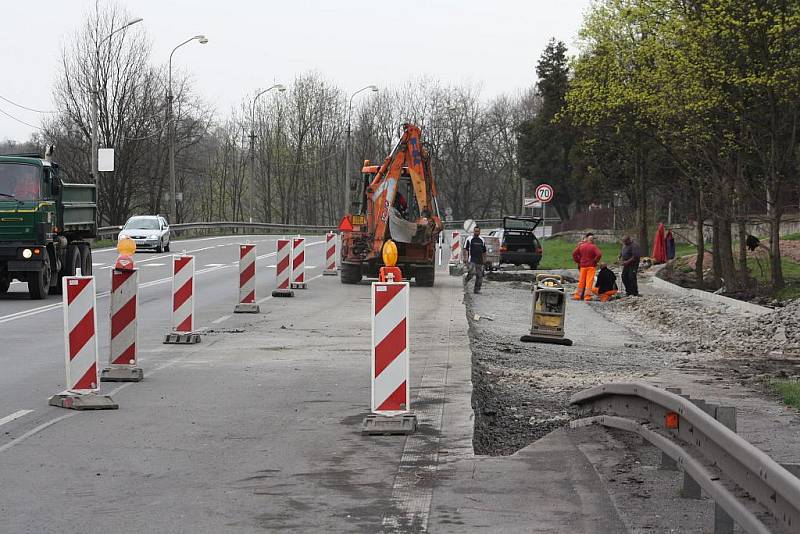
(518, 244)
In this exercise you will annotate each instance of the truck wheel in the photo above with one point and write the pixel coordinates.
(39, 282)
(86, 259)
(425, 276)
(72, 260)
(351, 274)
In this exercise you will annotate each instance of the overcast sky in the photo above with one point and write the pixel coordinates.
(351, 43)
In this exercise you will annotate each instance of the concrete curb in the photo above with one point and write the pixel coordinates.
(705, 296)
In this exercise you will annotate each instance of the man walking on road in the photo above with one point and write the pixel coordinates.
(630, 265)
(476, 248)
(586, 255)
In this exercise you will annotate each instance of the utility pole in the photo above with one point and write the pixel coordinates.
(347, 162)
(252, 189)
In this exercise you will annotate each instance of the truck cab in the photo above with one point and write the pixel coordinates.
(43, 224)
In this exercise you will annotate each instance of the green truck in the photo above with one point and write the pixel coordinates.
(45, 224)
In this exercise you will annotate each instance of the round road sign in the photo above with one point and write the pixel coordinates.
(544, 193)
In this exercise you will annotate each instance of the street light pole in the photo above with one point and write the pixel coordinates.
(281, 88)
(173, 205)
(95, 96)
(347, 162)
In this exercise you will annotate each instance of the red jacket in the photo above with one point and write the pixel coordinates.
(587, 255)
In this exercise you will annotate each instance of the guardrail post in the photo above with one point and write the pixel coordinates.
(727, 416)
(723, 523)
(691, 489)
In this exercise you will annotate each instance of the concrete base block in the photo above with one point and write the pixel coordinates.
(328, 272)
(283, 293)
(298, 285)
(120, 373)
(246, 308)
(175, 338)
(381, 425)
(78, 401)
(536, 338)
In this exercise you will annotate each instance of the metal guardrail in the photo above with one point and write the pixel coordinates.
(624, 405)
(111, 231)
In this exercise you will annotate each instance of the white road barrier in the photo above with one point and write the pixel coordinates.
(122, 354)
(80, 347)
(247, 280)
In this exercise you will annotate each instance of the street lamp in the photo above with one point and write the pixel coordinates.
(95, 96)
(171, 132)
(281, 88)
(347, 164)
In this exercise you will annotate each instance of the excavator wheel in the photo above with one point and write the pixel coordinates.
(425, 276)
(351, 274)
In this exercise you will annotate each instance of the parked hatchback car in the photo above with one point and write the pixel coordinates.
(147, 231)
(518, 243)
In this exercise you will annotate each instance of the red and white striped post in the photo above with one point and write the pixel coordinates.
(330, 255)
(455, 247)
(390, 391)
(182, 302)
(283, 269)
(122, 354)
(298, 263)
(80, 348)
(247, 280)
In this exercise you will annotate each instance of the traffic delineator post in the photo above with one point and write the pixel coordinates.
(455, 247)
(298, 263)
(455, 265)
(80, 348)
(330, 255)
(247, 280)
(182, 331)
(283, 269)
(122, 354)
(390, 395)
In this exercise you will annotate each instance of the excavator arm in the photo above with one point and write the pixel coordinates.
(408, 154)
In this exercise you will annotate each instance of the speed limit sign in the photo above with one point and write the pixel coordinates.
(544, 193)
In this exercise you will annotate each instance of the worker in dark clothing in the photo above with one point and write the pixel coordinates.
(630, 256)
(400, 204)
(476, 248)
(606, 285)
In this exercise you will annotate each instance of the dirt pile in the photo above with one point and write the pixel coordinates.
(704, 327)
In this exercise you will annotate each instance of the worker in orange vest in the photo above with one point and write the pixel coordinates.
(587, 256)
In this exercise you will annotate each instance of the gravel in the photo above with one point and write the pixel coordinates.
(714, 329)
(521, 390)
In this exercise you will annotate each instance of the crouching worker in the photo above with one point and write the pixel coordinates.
(606, 286)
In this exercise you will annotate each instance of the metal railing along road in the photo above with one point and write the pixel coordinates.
(112, 231)
(690, 433)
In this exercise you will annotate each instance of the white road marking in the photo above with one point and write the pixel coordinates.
(97, 264)
(213, 264)
(221, 319)
(36, 430)
(14, 416)
(155, 265)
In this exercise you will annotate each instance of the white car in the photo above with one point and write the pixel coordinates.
(147, 231)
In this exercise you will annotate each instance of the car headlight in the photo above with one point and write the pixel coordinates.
(27, 253)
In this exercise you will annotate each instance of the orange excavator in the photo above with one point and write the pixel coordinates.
(397, 201)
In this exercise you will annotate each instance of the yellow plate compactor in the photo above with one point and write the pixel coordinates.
(549, 309)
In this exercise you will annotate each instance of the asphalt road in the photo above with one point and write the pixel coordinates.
(255, 429)
(32, 351)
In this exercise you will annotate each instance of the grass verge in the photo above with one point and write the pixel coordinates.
(557, 253)
(788, 390)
